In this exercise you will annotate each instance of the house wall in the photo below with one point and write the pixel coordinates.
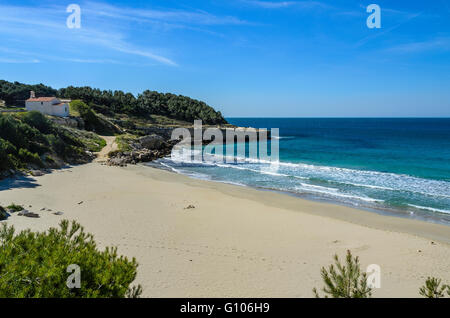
(61, 110)
(43, 107)
(48, 108)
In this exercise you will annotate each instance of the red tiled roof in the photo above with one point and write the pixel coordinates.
(40, 99)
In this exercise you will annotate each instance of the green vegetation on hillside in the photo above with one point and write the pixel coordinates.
(92, 121)
(110, 102)
(30, 140)
(124, 142)
(146, 104)
(15, 93)
(40, 264)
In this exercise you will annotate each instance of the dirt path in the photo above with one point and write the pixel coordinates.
(111, 145)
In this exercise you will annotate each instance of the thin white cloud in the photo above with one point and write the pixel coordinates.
(129, 50)
(28, 25)
(108, 26)
(178, 17)
(384, 10)
(286, 4)
(386, 31)
(88, 61)
(18, 61)
(421, 46)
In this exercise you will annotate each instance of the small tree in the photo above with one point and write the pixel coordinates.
(35, 264)
(433, 288)
(345, 281)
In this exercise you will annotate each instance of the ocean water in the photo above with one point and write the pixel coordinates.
(393, 166)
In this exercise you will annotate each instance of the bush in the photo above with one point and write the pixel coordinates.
(434, 289)
(345, 282)
(3, 214)
(29, 157)
(6, 148)
(34, 264)
(14, 207)
(37, 120)
(25, 138)
(91, 120)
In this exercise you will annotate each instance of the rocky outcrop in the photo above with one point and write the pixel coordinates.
(73, 122)
(134, 157)
(158, 144)
(37, 173)
(153, 142)
(145, 149)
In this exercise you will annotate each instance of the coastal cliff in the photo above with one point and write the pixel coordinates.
(31, 142)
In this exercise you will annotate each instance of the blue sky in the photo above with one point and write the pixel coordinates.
(244, 57)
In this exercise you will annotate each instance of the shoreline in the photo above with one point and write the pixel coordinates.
(237, 241)
(434, 218)
(414, 226)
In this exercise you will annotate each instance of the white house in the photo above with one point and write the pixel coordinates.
(47, 105)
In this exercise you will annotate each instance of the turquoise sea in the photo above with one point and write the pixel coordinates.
(395, 166)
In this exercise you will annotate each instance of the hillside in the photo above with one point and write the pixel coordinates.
(110, 103)
(29, 140)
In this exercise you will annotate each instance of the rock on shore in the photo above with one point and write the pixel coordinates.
(147, 148)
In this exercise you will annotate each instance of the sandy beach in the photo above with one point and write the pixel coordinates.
(236, 242)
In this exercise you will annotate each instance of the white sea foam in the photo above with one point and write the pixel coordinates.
(371, 179)
(282, 137)
(341, 178)
(369, 186)
(333, 193)
(319, 187)
(170, 167)
(233, 183)
(429, 209)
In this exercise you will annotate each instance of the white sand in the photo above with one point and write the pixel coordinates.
(237, 242)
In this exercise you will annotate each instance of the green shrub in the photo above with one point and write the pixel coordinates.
(34, 264)
(6, 149)
(434, 289)
(37, 120)
(15, 162)
(345, 281)
(14, 207)
(91, 120)
(50, 161)
(28, 137)
(29, 157)
(3, 214)
(20, 143)
(124, 142)
(94, 143)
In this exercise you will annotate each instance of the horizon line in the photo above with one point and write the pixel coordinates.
(343, 117)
